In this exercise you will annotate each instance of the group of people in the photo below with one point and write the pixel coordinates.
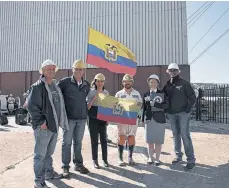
(71, 103)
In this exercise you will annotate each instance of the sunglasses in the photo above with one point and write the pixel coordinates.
(173, 70)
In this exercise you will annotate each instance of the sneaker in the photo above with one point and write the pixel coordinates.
(189, 166)
(66, 173)
(53, 175)
(106, 164)
(41, 185)
(81, 169)
(131, 162)
(176, 160)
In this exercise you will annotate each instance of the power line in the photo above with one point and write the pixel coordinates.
(197, 10)
(201, 14)
(209, 29)
(212, 44)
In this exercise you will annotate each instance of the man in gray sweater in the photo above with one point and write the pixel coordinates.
(75, 90)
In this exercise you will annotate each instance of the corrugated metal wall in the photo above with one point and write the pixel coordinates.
(31, 32)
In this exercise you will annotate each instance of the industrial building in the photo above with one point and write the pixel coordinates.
(31, 32)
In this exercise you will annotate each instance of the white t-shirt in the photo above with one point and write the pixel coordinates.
(133, 95)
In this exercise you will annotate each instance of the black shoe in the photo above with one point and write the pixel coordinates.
(66, 173)
(53, 175)
(96, 164)
(176, 160)
(105, 164)
(157, 163)
(189, 166)
(81, 169)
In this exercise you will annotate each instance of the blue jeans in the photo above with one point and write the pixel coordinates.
(75, 134)
(180, 128)
(45, 144)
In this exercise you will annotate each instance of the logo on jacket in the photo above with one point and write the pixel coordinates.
(118, 109)
(158, 99)
(179, 87)
(111, 52)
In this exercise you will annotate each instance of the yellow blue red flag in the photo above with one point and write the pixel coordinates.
(107, 53)
(117, 110)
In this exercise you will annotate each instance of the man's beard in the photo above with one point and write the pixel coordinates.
(127, 86)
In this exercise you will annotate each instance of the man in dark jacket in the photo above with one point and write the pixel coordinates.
(75, 90)
(46, 107)
(181, 100)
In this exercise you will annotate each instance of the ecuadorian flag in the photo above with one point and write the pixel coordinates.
(117, 110)
(107, 53)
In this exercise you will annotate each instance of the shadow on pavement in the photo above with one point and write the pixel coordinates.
(98, 180)
(59, 183)
(151, 176)
(6, 130)
(176, 175)
(143, 150)
(205, 128)
(8, 126)
(112, 145)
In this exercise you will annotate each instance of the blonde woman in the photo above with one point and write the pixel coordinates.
(154, 104)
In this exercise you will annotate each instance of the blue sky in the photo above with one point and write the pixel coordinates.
(213, 66)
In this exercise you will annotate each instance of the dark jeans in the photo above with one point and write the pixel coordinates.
(98, 127)
(180, 128)
(75, 134)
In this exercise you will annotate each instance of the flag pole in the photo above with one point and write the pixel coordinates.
(87, 52)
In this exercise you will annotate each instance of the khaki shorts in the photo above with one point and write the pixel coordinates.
(127, 130)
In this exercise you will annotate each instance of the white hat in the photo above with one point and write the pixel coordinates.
(128, 77)
(46, 63)
(153, 76)
(173, 66)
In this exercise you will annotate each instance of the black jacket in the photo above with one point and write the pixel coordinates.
(75, 97)
(158, 116)
(180, 94)
(40, 108)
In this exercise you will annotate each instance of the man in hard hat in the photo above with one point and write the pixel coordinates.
(75, 90)
(181, 100)
(127, 131)
(46, 107)
(10, 103)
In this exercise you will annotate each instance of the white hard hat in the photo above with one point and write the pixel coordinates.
(153, 76)
(128, 77)
(173, 66)
(46, 63)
